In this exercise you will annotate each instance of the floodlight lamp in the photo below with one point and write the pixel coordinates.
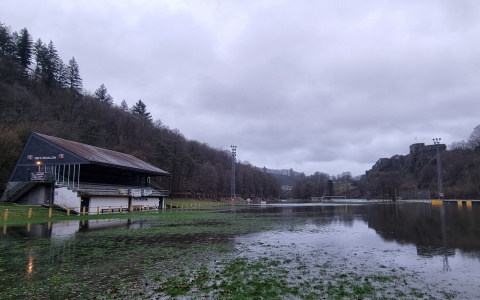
(39, 162)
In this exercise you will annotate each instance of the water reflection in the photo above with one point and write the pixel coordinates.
(442, 239)
(435, 230)
(68, 229)
(30, 264)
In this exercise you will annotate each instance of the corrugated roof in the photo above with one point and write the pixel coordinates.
(98, 155)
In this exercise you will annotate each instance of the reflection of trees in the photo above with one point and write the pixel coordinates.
(422, 225)
(405, 223)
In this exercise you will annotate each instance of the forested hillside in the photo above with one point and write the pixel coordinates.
(41, 93)
(417, 171)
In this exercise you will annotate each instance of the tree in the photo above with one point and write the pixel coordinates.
(61, 76)
(74, 80)
(460, 145)
(330, 190)
(40, 51)
(474, 140)
(140, 109)
(124, 106)
(7, 45)
(51, 65)
(102, 95)
(25, 48)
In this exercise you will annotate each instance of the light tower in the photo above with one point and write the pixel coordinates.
(436, 142)
(234, 154)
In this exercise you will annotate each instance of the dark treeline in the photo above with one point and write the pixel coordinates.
(320, 184)
(38, 92)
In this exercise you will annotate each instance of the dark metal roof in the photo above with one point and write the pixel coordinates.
(102, 156)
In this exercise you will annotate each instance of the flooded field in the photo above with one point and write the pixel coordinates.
(309, 251)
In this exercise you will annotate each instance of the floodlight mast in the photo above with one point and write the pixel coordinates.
(234, 154)
(436, 142)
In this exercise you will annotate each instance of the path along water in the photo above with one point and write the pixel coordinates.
(399, 250)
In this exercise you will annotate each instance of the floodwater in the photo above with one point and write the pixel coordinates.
(417, 249)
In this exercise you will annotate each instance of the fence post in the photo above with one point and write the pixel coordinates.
(148, 206)
(68, 212)
(98, 209)
(109, 209)
(121, 208)
(30, 214)
(84, 210)
(131, 208)
(50, 212)
(5, 216)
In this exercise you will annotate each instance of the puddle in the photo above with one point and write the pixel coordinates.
(407, 250)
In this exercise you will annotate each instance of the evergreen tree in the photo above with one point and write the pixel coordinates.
(51, 65)
(330, 190)
(7, 45)
(47, 60)
(140, 109)
(61, 76)
(40, 51)
(102, 95)
(124, 106)
(24, 48)
(74, 81)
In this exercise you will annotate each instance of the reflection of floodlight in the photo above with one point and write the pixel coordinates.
(234, 154)
(436, 142)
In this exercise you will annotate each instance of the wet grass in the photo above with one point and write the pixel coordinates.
(18, 214)
(192, 255)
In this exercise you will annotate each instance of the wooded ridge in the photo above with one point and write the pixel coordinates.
(39, 92)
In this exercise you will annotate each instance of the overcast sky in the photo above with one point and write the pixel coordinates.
(326, 86)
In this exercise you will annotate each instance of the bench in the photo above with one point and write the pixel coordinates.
(112, 210)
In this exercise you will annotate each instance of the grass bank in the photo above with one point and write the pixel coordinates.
(19, 214)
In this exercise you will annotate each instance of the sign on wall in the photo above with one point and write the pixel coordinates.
(123, 191)
(38, 176)
(136, 192)
(147, 192)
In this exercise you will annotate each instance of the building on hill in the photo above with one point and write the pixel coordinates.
(429, 150)
(54, 171)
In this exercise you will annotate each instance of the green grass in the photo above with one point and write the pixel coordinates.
(190, 254)
(18, 214)
(342, 187)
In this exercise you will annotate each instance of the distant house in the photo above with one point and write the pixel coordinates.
(54, 171)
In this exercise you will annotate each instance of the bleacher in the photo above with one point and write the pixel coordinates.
(88, 188)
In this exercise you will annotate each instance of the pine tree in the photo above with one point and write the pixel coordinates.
(102, 95)
(24, 48)
(124, 106)
(61, 74)
(40, 51)
(51, 65)
(74, 81)
(7, 45)
(140, 109)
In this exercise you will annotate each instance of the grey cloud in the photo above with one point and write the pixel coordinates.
(314, 85)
